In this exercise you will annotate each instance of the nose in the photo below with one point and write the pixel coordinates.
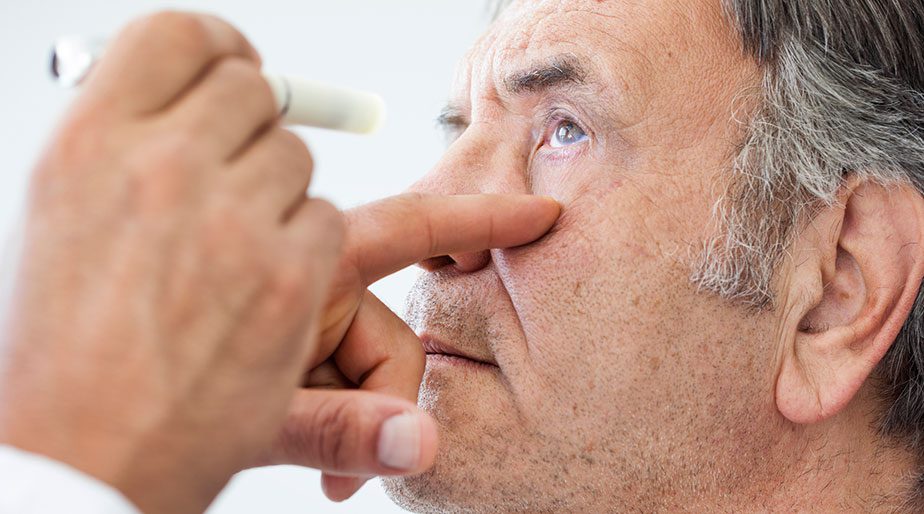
(462, 262)
(475, 163)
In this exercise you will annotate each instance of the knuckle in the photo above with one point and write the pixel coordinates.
(190, 36)
(413, 354)
(181, 32)
(256, 88)
(291, 286)
(398, 210)
(407, 204)
(338, 432)
(165, 23)
(230, 81)
(184, 26)
(241, 81)
(185, 35)
(332, 221)
(411, 200)
(241, 73)
(294, 149)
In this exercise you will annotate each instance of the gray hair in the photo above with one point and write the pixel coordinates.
(842, 94)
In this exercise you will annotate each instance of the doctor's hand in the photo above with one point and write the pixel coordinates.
(378, 430)
(172, 273)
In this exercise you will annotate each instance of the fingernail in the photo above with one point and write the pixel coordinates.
(399, 442)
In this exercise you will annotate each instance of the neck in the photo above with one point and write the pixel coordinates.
(840, 465)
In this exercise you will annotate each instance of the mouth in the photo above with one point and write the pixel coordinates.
(441, 353)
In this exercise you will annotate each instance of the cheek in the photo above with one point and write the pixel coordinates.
(593, 171)
(617, 341)
(589, 297)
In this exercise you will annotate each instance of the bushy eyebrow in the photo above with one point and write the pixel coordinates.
(556, 72)
(559, 71)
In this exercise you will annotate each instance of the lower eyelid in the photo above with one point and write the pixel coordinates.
(546, 152)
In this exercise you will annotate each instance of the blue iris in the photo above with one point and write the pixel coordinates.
(567, 133)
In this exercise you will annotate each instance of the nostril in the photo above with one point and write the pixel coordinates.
(436, 263)
(472, 261)
(462, 262)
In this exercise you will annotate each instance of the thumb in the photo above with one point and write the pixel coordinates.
(356, 433)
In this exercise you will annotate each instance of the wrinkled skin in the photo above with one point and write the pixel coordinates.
(176, 280)
(618, 386)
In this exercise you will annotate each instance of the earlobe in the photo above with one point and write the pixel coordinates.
(854, 275)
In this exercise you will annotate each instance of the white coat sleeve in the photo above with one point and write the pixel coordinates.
(34, 484)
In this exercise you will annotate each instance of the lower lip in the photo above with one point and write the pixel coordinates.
(442, 359)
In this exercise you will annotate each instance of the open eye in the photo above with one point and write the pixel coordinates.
(566, 133)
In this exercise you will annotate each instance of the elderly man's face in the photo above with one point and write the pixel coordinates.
(610, 381)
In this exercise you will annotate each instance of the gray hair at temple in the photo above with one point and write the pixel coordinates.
(842, 94)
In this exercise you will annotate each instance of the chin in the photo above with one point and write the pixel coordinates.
(486, 482)
(488, 459)
(474, 414)
(415, 495)
(452, 487)
(455, 483)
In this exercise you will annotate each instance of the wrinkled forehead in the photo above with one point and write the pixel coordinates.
(628, 45)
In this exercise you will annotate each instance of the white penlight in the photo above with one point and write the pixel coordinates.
(72, 59)
(300, 101)
(315, 104)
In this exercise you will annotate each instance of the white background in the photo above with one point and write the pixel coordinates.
(405, 50)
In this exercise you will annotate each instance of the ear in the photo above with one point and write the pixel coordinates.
(851, 283)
